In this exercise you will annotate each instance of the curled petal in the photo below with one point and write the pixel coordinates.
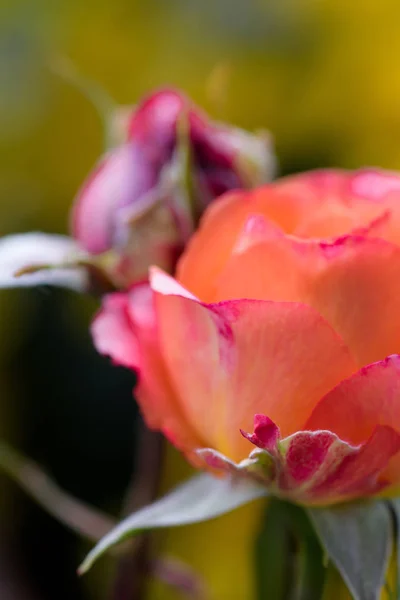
(259, 466)
(362, 470)
(369, 187)
(266, 434)
(369, 398)
(198, 268)
(126, 330)
(337, 208)
(216, 460)
(374, 185)
(353, 282)
(318, 467)
(154, 122)
(120, 178)
(284, 203)
(112, 332)
(319, 204)
(244, 357)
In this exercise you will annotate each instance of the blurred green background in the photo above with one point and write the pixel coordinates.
(322, 75)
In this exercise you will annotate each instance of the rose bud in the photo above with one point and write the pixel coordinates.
(143, 201)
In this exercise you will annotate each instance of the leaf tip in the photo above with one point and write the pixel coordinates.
(84, 566)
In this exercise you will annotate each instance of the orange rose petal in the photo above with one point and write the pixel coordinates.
(287, 203)
(319, 204)
(357, 291)
(340, 209)
(211, 246)
(356, 406)
(354, 283)
(125, 329)
(336, 219)
(341, 201)
(231, 360)
(265, 265)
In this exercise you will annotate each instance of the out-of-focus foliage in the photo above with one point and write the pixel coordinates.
(322, 75)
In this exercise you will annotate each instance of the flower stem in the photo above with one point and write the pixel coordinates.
(310, 571)
(289, 555)
(135, 565)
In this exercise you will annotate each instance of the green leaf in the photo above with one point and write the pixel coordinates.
(200, 499)
(358, 539)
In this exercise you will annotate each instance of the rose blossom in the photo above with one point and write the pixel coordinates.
(274, 352)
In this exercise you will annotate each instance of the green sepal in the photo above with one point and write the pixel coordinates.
(357, 537)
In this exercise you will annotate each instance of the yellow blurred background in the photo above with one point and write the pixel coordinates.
(322, 75)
